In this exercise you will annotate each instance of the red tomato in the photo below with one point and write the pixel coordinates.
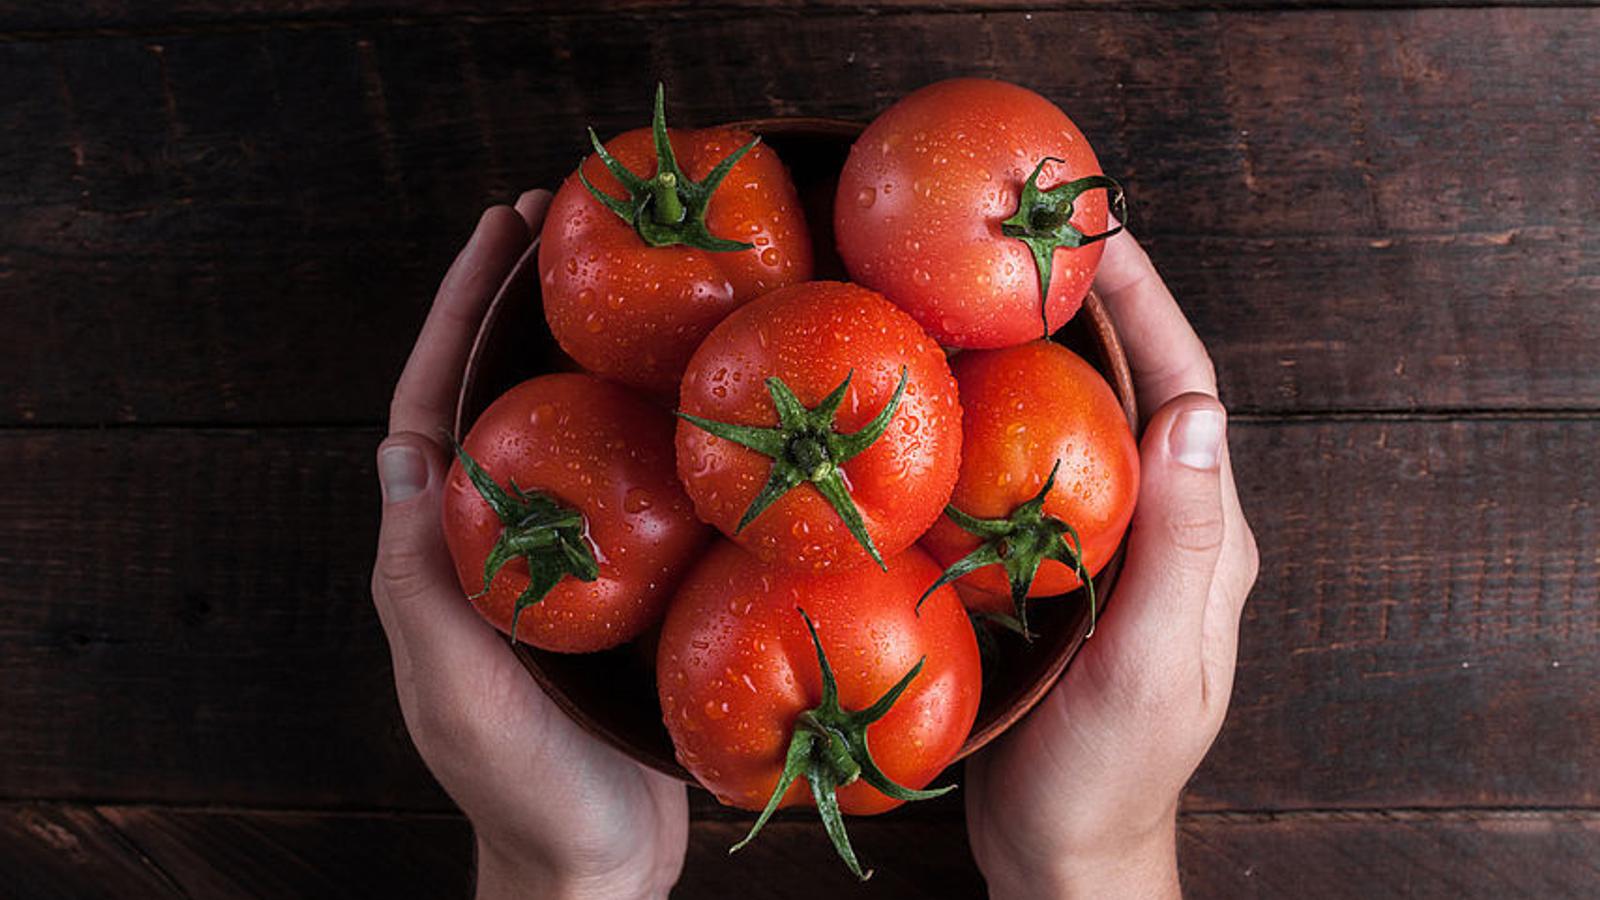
(1027, 410)
(737, 672)
(600, 532)
(630, 299)
(923, 203)
(807, 487)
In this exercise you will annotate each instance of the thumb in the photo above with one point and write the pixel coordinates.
(1176, 534)
(414, 583)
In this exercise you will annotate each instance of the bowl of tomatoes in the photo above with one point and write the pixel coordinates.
(829, 442)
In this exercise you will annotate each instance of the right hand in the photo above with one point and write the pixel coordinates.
(1081, 798)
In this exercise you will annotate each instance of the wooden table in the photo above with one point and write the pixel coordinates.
(222, 224)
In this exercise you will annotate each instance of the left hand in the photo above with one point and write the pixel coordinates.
(556, 812)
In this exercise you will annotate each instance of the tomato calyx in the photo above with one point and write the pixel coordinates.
(806, 447)
(668, 208)
(1019, 543)
(829, 747)
(549, 535)
(1043, 221)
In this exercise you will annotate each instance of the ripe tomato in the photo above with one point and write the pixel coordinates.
(746, 701)
(819, 427)
(632, 283)
(1035, 414)
(563, 504)
(940, 208)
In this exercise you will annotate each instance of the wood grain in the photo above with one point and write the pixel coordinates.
(293, 854)
(44, 20)
(54, 852)
(1418, 856)
(49, 852)
(1426, 631)
(172, 237)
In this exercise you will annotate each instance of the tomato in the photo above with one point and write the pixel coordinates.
(742, 686)
(1035, 415)
(943, 207)
(564, 504)
(632, 283)
(819, 427)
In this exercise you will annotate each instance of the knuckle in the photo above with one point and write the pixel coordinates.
(1206, 369)
(1196, 528)
(1252, 558)
(1153, 692)
(401, 571)
(435, 730)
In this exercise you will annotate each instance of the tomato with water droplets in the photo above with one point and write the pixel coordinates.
(819, 427)
(934, 210)
(1035, 414)
(562, 502)
(741, 683)
(644, 251)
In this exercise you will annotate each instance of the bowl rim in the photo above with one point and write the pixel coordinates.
(1112, 363)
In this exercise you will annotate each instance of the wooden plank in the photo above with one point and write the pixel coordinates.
(53, 852)
(1286, 167)
(187, 619)
(1426, 630)
(295, 854)
(1413, 855)
(252, 853)
(34, 20)
(184, 619)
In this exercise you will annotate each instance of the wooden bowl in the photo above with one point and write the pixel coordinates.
(612, 694)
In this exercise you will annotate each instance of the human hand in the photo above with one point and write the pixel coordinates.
(1081, 797)
(556, 813)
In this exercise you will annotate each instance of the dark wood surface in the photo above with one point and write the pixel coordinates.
(220, 225)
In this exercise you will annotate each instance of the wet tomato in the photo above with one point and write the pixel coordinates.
(783, 687)
(563, 516)
(819, 427)
(961, 199)
(656, 238)
(1049, 477)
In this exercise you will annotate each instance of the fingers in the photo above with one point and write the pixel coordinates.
(425, 397)
(1165, 354)
(1177, 531)
(424, 611)
(531, 206)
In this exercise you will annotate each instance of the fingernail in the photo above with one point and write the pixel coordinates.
(403, 472)
(1196, 438)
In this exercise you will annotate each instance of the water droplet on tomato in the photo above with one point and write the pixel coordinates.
(636, 501)
(921, 276)
(615, 301)
(541, 415)
(866, 198)
(585, 297)
(771, 256)
(592, 323)
(715, 710)
(572, 265)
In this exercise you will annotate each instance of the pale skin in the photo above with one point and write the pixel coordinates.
(1079, 799)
